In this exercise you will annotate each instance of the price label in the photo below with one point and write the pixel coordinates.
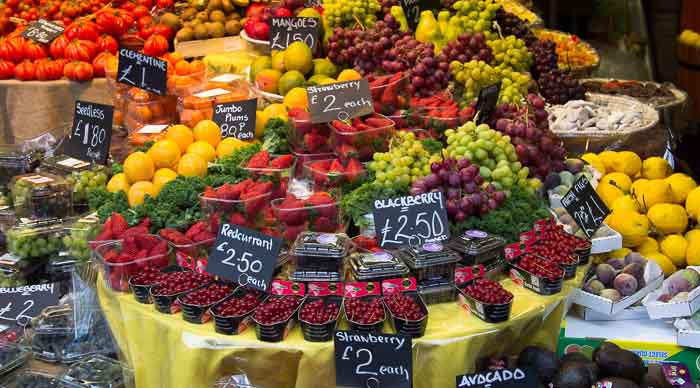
(91, 135)
(286, 30)
(585, 206)
(413, 8)
(244, 256)
(18, 305)
(372, 360)
(501, 378)
(339, 101)
(237, 119)
(488, 98)
(43, 31)
(410, 220)
(142, 71)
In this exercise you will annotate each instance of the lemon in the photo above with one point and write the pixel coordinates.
(649, 245)
(139, 190)
(692, 203)
(692, 235)
(674, 246)
(164, 153)
(138, 167)
(638, 186)
(228, 145)
(595, 162)
(625, 202)
(656, 191)
(208, 131)
(663, 261)
(681, 185)
(633, 227)
(619, 253)
(692, 253)
(618, 179)
(276, 110)
(203, 149)
(668, 218)
(348, 75)
(298, 56)
(309, 13)
(181, 135)
(319, 79)
(296, 98)
(655, 168)
(118, 183)
(608, 159)
(163, 176)
(192, 165)
(260, 121)
(608, 193)
(627, 162)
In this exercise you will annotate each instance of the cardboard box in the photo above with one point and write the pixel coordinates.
(654, 341)
(632, 313)
(659, 310)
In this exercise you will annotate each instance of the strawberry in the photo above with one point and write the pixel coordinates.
(160, 248)
(142, 254)
(104, 236)
(354, 170)
(259, 160)
(134, 231)
(237, 219)
(292, 211)
(336, 167)
(214, 223)
(268, 231)
(204, 236)
(129, 245)
(284, 161)
(196, 229)
(323, 204)
(314, 142)
(321, 165)
(324, 224)
(209, 192)
(146, 223)
(341, 126)
(119, 224)
(146, 241)
(291, 232)
(378, 122)
(111, 256)
(107, 228)
(346, 151)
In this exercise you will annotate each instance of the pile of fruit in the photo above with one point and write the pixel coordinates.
(208, 19)
(319, 311)
(618, 278)
(276, 309)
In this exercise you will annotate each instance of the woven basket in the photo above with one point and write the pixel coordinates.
(680, 96)
(650, 117)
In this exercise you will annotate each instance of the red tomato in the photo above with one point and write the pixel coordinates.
(140, 11)
(144, 21)
(162, 29)
(113, 21)
(164, 4)
(156, 45)
(33, 50)
(107, 43)
(82, 29)
(80, 50)
(146, 32)
(12, 3)
(100, 62)
(11, 49)
(58, 46)
(7, 69)
(146, 3)
(128, 6)
(83, 71)
(49, 70)
(25, 71)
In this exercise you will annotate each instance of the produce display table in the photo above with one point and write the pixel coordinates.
(195, 356)
(29, 109)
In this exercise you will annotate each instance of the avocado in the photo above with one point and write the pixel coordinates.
(184, 35)
(216, 30)
(617, 382)
(543, 361)
(573, 374)
(200, 32)
(574, 356)
(616, 362)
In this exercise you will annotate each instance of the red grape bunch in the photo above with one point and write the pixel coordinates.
(545, 53)
(468, 47)
(559, 87)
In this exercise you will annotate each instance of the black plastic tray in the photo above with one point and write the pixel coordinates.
(409, 327)
(491, 313)
(320, 332)
(538, 284)
(197, 314)
(233, 325)
(375, 327)
(274, 332)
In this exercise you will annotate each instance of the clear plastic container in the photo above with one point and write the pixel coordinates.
(12, 356)
(306, 137)
(41, 195)
(36, 239)
(80, 175)
(323, 179)
(477, 247)
(390, 93)
(437, 290)
(251, 210)
(116, 274)
(7, 218)
(63, 165)
(18, 272)
(77, 237)
(278, 176)
(376, 266)
(98, 371)
(187, 84)
(145, 134)
(294, 219)
(437, 121)
(361, 144)
(143, 108)
(32, 379)
(15, 160)
(304, 158)
(200, 106)
(430, 260)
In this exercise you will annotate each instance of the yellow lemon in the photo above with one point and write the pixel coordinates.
(627, 162)
(633, 227)
(595, 162)
(609, 193)
(192, 165)
(181, 135)
(296, 98)
(638, 186)
(655, 192)
(692, 235)
(228, 145)
(608, 159)
(649, 245)
(138, 167)
(163, 176)
(276, 111)
(655, 168)
(681, 185)
(118, 183)
(663, 261)
(349, 75)
(674, 246)
(260, 121)
(139, 190)
(692, 203)
(692, 254)
(618, 179)
(625, 203)
(203, 149)
(207, 130)
(668, 218)
(164, 153)
(619, 253)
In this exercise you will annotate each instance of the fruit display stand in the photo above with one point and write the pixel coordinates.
(454, 339)
(200, 48)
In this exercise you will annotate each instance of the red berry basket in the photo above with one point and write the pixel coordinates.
(233, 315)
(319, 317)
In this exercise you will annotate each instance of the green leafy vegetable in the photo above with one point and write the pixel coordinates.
(229, 169)
(145, 147)
(359, 202)
(177, 204)
(117, 168)
(276, 136)
(104, 202)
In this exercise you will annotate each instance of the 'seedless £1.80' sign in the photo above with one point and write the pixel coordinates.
(91, 135)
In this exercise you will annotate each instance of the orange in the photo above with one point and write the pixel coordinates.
(138, 167)
(163, 176)
(183, 68)
(164, 153)
(118, 183)
(192, 165)
(203, 149)
(143, 114)
(208, 131)
(181, 135)
(197, 66)
(139, 190)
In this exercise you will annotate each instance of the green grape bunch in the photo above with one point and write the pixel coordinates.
(77, 241)
(405, 162)
(493, 152)
(474, 16)
(511, 52)
(86, 180)
(28, 243)
(349, 13)
(474, 75)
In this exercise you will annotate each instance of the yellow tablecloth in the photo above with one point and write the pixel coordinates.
(168, 352)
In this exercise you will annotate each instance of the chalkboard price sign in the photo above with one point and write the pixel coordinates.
(488, 98)
(18, 305)
(410, 220)
(372, 360)
(142, 71)
(244, 256)
(413, 8)
(91, 134)
(585, 206)
(286, 30)
(237, 119)
(339, 101)
(42, 31)
(502, 378)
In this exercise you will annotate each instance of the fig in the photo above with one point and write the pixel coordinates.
(636, 270)
(617, 263)
(626, 284)
(635, 257)
(605, 273)
(683, 281)
(574, 166)
(594, 286)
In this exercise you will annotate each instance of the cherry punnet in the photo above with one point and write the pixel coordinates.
(276, 309)
(236, 307)
(404, 306)
(488, 291)
(364, 311)
(319, 311)
(179, 282)
(148, 276)
(207, 295)
(540, 267)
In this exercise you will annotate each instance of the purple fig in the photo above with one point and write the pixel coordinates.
(617, 263)
(611, 294)
(635, 257)
(636, 270)
(605, 273)
(626, 284)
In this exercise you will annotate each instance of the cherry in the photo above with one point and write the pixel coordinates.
(319, 312)
(207, 295)
(276, 309)
(148, 276)
(236, 307)
(364, 311)
(488, 291)
(404, 306)
(179, 282)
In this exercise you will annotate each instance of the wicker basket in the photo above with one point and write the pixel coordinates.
(680, 96)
